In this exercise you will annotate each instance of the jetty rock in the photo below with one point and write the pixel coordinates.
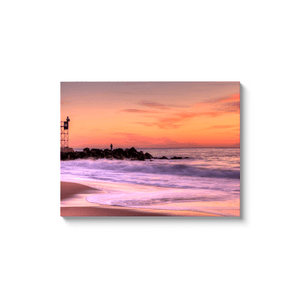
(95, 153)
(148, 155)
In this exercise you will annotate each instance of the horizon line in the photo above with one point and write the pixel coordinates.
(159, 147)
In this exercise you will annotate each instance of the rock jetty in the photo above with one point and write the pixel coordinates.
(118, 153)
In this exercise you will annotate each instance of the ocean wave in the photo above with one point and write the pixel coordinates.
(148, 167)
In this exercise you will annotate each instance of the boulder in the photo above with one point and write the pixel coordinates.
(148, 155)
(63, 156)
(76, 155)
(132, 149)
(119, 151)
(82, 154)
(132, 152)
(141, 157)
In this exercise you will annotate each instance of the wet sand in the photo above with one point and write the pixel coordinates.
(69, 189)
(73, 204)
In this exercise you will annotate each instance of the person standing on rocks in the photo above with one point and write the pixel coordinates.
(111, 146)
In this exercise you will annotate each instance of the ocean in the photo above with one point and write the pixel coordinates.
(207, 181)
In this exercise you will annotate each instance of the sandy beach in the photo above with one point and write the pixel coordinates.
(73, 204)
(70, 189)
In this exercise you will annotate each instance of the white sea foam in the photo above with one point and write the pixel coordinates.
(209, 175)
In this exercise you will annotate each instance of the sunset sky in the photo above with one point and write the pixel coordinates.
(152, 114)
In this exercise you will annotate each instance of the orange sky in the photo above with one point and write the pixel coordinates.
(152, 114)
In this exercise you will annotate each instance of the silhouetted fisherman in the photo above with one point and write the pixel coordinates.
(111, 146)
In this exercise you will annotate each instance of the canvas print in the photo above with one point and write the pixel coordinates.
(150, 149)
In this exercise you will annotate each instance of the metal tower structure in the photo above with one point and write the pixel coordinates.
(64, 133)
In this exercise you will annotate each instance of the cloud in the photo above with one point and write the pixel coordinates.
(176, 120)
(228, 104)
(148, 124)
(211, 108)
(155, 105)
(138, 111)
(222, 126)
(161, 106)
(230, 98)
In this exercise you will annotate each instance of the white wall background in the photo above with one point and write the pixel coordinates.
(44, 256)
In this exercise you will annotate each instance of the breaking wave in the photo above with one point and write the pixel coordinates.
(147, 167)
